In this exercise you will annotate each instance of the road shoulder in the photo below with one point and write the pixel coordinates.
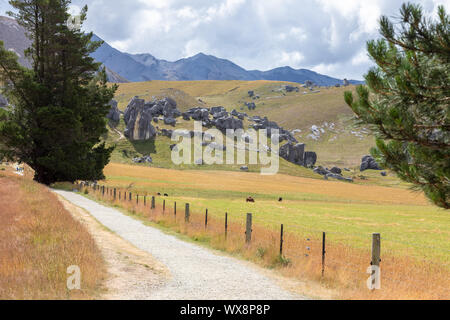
(132, 273)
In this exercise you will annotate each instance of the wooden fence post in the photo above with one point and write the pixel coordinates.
(175, 209)
(164, 206)
(153, 202)
(323, 253)
(248, 229)
(186, 213)
(103, 191)
(145, 201)
(226, 225)
(137, 199)
(376, 257)
(281, 240)
(206, 219)
(376, 249)
(130, 195)
(119, 195)
(115, 194)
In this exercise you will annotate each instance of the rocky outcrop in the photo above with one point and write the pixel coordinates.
(293, 153)
(239, 115)
(138, 117)
(336, 170)
(291, 89)
(251, 105)
(216, 110)
(369, 163)
(331, 174)
(146, 159)
(228, 122)
(310, 159)
(283, 135)
(114, 112)
(198, 114)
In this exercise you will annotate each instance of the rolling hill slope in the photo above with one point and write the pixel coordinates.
(338, 143)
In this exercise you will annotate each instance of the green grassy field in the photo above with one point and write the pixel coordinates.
(349, 212)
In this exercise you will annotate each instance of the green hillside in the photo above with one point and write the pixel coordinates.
(339, 143)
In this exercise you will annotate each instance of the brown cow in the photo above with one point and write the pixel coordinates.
(250, 199)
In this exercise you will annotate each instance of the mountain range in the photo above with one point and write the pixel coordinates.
(14, 39)
(126, 67)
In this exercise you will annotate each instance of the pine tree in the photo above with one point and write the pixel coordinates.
(60, 104)
(406, 102)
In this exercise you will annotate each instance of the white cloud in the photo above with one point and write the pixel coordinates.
(327, 36)
(292, 59)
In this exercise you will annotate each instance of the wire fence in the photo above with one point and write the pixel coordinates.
(297, 250)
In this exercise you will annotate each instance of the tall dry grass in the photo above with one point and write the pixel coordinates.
(402, 277)
(39, 240)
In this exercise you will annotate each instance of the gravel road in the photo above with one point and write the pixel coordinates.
(196, 273)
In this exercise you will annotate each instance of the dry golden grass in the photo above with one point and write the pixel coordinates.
(39, 240)
(403, 277)
(192, 88)
(253, 183)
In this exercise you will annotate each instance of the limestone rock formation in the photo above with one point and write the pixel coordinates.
(369, 163)
(138, 118)
(114, 112)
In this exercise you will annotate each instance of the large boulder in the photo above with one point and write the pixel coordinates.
(170, 121)
(228, 122)
(138, 118)
(251, 105)
(338, 177)
(114, 112)
(336, 170)
(239, 115)
(293, 153)
(369, 163)
(292, 89)
(321, 170)
(167, 133)
(310, 159)
(199, 114)
(146, 159)
(215, 110)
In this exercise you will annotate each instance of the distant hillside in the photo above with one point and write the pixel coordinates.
(14, 38)
(320, 118)
(145, 67)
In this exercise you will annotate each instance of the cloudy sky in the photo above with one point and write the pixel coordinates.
(327, 36)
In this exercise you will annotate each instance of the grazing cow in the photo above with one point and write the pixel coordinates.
(166, 195)
(250, 199)
(280, 200)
